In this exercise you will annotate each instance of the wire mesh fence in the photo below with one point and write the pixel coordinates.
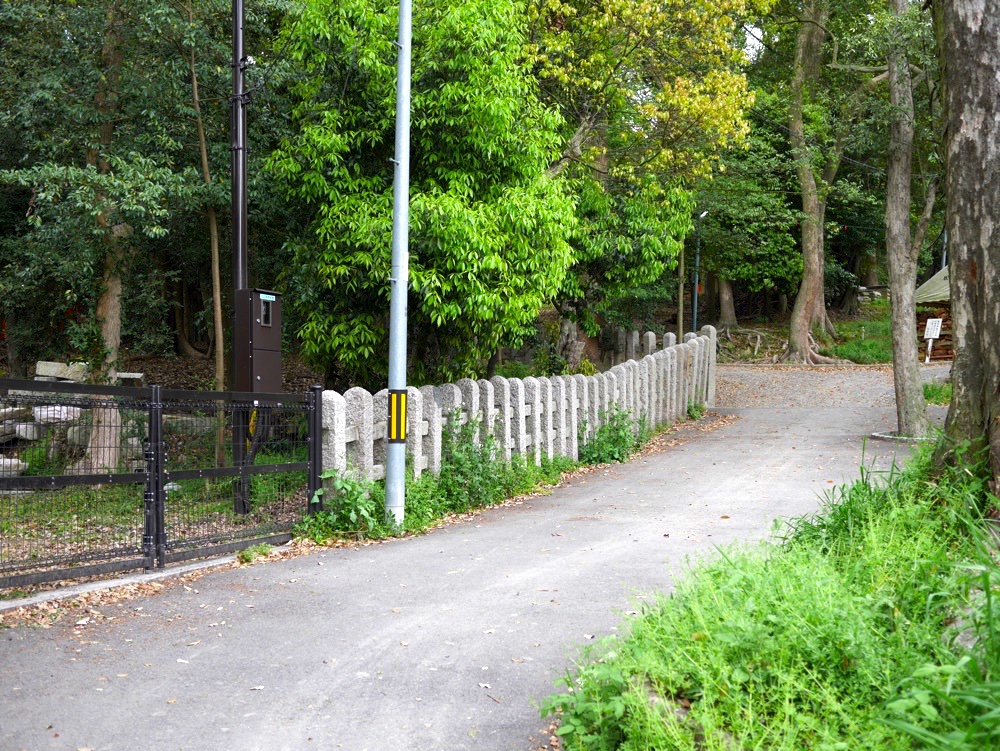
(95, 479)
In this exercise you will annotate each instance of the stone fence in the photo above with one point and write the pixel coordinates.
(530, 417)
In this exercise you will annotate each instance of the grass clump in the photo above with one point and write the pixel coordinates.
(937, 392)
(842, 637)
(252, 553)
(615, 440)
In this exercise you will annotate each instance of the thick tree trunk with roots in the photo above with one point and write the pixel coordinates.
(967, 32)
(810, 305)
(902, 250)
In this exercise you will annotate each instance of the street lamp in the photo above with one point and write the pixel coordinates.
(697, 268)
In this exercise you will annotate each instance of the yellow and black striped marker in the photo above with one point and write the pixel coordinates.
(397, 416)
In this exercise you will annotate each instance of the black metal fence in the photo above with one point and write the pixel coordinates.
(98, 479)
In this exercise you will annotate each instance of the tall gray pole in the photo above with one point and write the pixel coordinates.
(395, 468)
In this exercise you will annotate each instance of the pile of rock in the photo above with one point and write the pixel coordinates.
(27, 419)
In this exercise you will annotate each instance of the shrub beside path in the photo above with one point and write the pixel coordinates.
(448, 640)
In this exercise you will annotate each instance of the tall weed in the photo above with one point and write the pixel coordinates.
(845, 636)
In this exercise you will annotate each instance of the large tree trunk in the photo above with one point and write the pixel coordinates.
(105, 434)
(727, 317)
(810, 305)
(968, 31)
(911, 407)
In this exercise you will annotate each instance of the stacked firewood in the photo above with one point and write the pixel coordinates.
(942, 349)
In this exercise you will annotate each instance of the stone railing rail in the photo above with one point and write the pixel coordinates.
(529, 417)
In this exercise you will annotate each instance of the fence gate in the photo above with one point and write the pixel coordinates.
(100, 479)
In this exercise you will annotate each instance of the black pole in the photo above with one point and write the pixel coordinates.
(238, 156)
(241, 332)
(315, 448)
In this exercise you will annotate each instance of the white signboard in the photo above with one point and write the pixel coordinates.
(933, 329)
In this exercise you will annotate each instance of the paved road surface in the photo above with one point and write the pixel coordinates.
(448, 640)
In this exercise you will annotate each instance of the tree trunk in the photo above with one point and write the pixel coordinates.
(967, 43)
(711, 294)
(810, 306)
(213, 234)
(911, 407)
(105, 434)
(727, 317)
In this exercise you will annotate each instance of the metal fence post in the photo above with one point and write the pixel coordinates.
(315, 402)
(152, 480)
(159, 493)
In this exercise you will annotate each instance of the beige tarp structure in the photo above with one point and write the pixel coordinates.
(935, 289)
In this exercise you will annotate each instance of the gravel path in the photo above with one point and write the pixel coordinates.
(791, 387)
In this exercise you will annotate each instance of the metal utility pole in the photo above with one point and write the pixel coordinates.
(395, 467)
(697, 268)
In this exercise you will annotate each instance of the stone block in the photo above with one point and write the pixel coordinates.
(502, 426)
(28, 431)
(449, 399)
(533, 421)
(334, 432)
(560, 398)
(74, 371)
(431, 448)
(487, 408)
(415, 426)
(56, 414)
(631, 345)
(132, 380)
(360, 416)
(518, 418)
(571, 443)
(11, 467)
(547, 433)
(582, 401)
(648, 343)
(380, 429)
(469, 390)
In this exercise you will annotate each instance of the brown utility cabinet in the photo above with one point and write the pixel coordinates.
(257, 341)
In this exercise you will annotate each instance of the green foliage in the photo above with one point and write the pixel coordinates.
(513, 369)
(837, 281)
(937, 393)
(344, 507)
(252, 553)
(748, 235)
(615, 440)
(839, 638)
(866, 339)
(586, 367)
(695, 410)
(488, 229)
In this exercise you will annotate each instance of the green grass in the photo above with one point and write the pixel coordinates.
(866, 339)
(937, 393)
(841, 637)
(252, 553)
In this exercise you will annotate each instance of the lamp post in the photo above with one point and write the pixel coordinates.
(697, 268)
